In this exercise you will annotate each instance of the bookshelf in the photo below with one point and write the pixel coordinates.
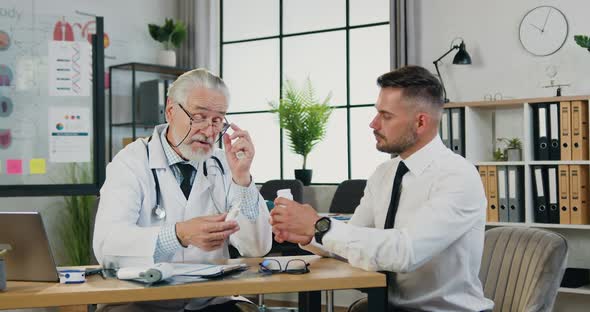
(484, 123)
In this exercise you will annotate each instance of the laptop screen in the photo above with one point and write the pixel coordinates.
(30, 257)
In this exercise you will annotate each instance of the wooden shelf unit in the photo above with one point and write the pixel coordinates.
(487, 121)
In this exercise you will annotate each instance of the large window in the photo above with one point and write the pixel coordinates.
(341, 45)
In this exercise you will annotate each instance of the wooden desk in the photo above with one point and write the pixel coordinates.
(325, 273)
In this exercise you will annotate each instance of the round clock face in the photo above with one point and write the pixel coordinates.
(543, 30)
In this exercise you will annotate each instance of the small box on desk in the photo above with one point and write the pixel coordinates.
(574, 278)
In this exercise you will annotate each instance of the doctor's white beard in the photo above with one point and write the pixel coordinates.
(198, 154)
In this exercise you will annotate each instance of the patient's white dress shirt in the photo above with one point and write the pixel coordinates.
(437, 241)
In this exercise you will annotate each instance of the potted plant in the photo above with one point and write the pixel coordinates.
(77, 220)
(305, 118)
(499, 155)
(4, 248)
(512, 150)
(171, 35)
(583, 41)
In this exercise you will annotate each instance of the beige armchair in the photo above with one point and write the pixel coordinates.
(521, 269)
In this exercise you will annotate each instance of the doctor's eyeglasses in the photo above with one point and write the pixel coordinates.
(293, 266)
(198, 121)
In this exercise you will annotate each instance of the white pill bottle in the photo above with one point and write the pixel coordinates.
(285, 193)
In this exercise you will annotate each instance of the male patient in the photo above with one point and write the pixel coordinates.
(422, 217)
(166, 199)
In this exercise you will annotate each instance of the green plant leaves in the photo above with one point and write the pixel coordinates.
(75, 232)
(170, 34)
(303, 116)
(154, 31)
(77, 219)
(582, 41)
(178, 34)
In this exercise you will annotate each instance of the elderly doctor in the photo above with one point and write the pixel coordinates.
(176, 198)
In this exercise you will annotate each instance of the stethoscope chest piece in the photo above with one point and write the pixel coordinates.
(159, 212)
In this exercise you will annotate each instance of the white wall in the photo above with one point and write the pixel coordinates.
(500, 63)
(124, 21)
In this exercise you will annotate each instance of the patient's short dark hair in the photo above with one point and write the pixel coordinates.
(418, 85)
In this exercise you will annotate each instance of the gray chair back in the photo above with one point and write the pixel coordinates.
(522, 268)
(348, 196)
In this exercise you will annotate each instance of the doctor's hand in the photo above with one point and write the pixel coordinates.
(208, 232)
(292, 221)
(239, 152)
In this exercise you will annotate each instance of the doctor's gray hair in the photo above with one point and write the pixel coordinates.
(199, 77)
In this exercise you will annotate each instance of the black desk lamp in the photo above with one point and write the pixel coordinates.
(462, 58)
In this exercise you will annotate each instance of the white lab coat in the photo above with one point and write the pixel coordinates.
(126, 229)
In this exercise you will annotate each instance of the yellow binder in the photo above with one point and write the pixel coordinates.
(579, 194)
(579, 130)
(492, 213)
(565, 131)
(564, 194)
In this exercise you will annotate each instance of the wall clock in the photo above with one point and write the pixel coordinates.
(543, 30)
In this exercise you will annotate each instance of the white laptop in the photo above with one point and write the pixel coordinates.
(30, 257)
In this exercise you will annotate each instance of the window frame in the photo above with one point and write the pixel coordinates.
(347, 28)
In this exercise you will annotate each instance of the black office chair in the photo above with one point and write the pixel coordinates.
(269, 189)
(269, 192)
(348, 196)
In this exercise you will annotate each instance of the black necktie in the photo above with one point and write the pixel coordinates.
(395, 194)
(187, 173)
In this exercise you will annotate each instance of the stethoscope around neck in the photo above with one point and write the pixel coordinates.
(159, 211)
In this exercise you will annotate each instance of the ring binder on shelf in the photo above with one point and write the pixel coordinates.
(564, 194)
(502, 194)
(540, 132)
(554, 145)
(541, 214)
(552, 193)
(515, 194)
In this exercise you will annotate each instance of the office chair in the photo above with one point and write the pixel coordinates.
(348, 196)
(521, 269)
(268, 190)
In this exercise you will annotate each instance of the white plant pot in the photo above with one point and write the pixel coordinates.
(513, 154)
(167, 58)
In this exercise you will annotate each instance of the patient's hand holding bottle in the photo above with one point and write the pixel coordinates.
(285, 193)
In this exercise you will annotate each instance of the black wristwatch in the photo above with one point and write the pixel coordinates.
(322, 226)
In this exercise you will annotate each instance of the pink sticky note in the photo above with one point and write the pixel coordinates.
(14, 166)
